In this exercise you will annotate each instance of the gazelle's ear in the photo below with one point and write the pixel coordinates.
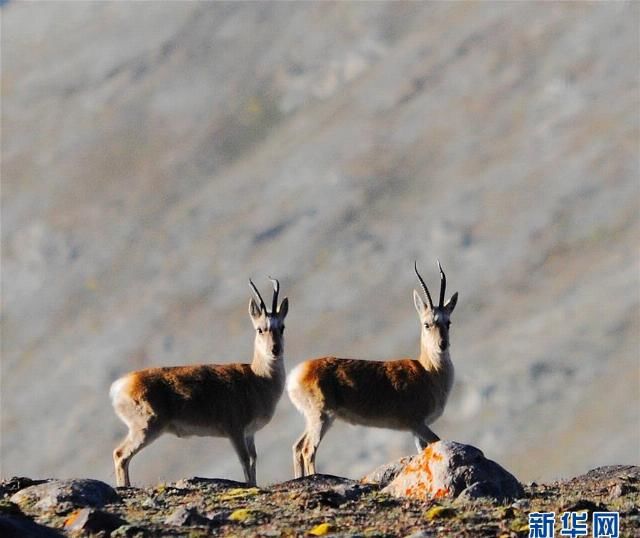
(452, 303)
(254, 309)
(421, 307)
(284, 308)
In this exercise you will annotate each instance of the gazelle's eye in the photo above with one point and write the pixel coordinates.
(426, 325)
(259, 331)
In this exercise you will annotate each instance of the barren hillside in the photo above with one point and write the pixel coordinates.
(155, 155)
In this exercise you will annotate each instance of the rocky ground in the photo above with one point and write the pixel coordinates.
(317, 505)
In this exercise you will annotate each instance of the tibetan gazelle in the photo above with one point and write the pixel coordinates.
(400, 394)
(219, 400)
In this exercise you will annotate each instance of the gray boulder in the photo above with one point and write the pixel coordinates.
(92, 521)
(453, 470)
(15, 484)
(62, 495)
(186, 516)
(384, 475)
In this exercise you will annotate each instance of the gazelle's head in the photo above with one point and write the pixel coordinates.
(435, 320)
(269, 326)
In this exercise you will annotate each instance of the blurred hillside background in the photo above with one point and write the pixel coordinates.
(155, 155)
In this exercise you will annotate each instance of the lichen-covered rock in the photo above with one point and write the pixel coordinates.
(454, 470)
(60, 495)
(92, 521)
(385, 473)
(187, 516)
(323, 490)
(330, 505)
(612, 475)
(321, 529)
(15, 484)
(315, 481)
(211, 483)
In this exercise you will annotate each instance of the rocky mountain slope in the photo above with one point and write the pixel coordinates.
(314, 506)
(156, 155)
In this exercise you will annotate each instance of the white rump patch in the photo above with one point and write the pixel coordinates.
(296, 390)
(293, 379)
(117, 388)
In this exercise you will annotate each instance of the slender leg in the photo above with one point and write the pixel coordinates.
(316, 430)
(240, 446)
(253, 456)
(298, 457)
(135, 441)
(423, 436)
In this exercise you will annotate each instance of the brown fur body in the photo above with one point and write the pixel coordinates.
(211, 400)
(385, 394)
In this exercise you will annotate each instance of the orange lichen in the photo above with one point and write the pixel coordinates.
(71, 519)
(441, 492)
(419, 478)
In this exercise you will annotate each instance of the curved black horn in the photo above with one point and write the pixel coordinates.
(276, 290)
(262, 306)
(443, 284)
(424, 286)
